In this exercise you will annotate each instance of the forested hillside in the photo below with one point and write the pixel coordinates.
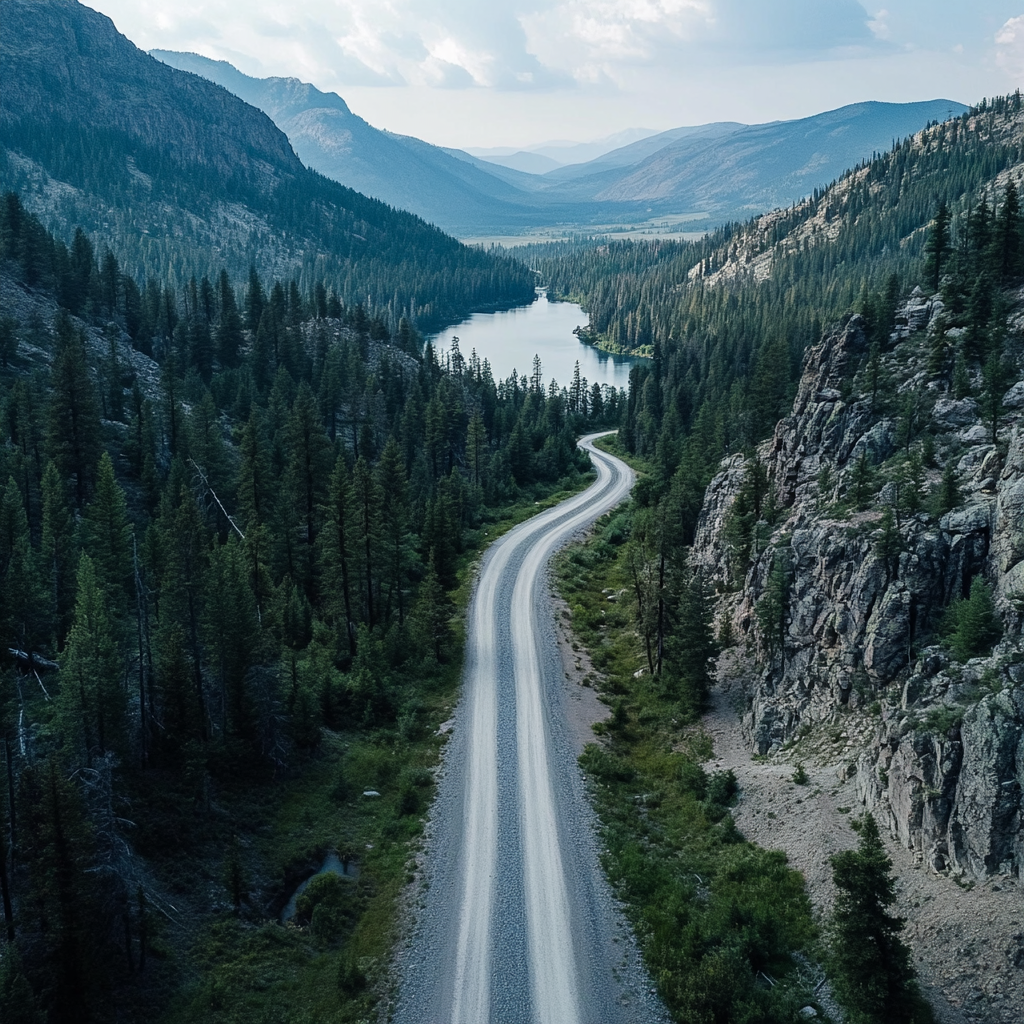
(231, 523)
(831, 429)
(181, 178)
(726, 319)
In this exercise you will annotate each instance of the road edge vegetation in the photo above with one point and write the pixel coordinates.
(724, 927)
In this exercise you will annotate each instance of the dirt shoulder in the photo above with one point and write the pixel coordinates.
(968, 943)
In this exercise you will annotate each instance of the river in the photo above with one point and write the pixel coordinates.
(509, 340)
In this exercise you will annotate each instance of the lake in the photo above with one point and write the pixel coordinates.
(510, 339)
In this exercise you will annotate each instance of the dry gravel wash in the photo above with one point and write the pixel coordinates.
(516, 923)
(968, 943)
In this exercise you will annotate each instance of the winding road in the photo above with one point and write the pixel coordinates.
(517, 925)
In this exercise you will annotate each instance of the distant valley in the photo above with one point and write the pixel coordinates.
(721, 172)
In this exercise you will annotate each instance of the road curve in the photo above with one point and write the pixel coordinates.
(517, 925)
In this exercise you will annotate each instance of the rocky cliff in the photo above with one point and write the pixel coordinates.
(853, 570)
(64, 64)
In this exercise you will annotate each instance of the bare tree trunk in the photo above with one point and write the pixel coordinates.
(10, 788)
(5, 891)
(126, 919)
(661, 613)
(143, 720)
(142, 930)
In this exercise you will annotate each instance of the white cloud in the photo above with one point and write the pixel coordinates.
(1010, 48)
(489, 72)
(879, 25)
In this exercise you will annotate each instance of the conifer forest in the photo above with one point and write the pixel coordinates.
(244, 505)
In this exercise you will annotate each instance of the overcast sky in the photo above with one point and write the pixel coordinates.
(518, 72)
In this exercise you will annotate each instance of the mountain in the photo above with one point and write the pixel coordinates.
(722, 169)
(763, 166)
(546, 156)
(523, 160)
(725, 169)
(459, 193)
(182, 177)
(636, 152)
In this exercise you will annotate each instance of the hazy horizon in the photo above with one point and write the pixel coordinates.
(517, 73)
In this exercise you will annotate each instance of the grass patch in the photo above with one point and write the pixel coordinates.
(713, 913)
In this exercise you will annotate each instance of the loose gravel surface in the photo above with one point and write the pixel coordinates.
(968, 942)
(515, 920)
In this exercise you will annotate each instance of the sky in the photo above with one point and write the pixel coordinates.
(520, 72)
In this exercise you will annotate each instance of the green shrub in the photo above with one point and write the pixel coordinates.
(324, 889)
(722, 788)
(351, 978)
(604, 765)
(971, 623)
(693, 779)
(943, 719)
(800, 776)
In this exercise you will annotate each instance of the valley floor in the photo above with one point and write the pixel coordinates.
(968, 942)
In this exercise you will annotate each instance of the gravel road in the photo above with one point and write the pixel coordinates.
(516, 924)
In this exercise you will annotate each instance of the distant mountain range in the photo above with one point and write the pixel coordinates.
(724, 170)
(546, 156)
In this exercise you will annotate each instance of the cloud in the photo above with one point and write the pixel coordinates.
(879, 25)
(1010, 48)
(805, 27)
(592, 37)
(509, 45)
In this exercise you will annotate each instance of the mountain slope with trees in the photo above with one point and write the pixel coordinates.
(232, 525)
(461, 195)
(182, 178)
(853, 531)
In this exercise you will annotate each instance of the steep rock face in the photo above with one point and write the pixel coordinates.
(945, 764)
(946, 769)
(710, 554)
(58, 57)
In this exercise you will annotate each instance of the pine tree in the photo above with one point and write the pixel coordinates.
(73, 440)
(1007, 240)
(396, 548)
(336, 555)
(58, 555)
(57, 847)
(366, 500)
(229, 326)
(745, 513)
(773, 605)
(477, 450)
(255, 301)
(947, 495)
(432, 614)
(994, 379)
(972, 623)
(889, 544)
(937, 247)
(20, 597)
(92, 707)
(309, 463)
(174, 682)
(871, 967)
(231, 631)
(862, 482)
(106, 535)
(692, 647)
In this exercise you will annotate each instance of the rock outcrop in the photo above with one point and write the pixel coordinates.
(852, 579)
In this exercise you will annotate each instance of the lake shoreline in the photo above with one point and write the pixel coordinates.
(510, 339)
